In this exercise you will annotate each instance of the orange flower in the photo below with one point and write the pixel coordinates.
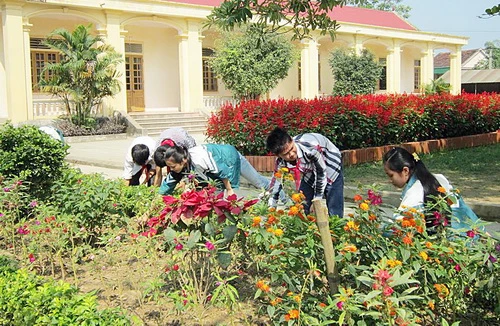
(294, 210)
(441, 190)
(350, 248)
(271, 220)
(419, 228)
(358, 198)
(442, 290)
(278, 175)
(428, 245)
(265, 288)
(294, 314)
(322, 305)
(408, 239)
(260, 284)
(287, 317)
(276, 301)
(372, 217)
(270, 230)
(431, 304)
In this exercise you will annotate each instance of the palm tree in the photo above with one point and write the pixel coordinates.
(87, 72)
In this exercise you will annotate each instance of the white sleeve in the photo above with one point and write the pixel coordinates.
(414, 197)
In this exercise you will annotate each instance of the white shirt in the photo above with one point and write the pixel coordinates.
(130, 168)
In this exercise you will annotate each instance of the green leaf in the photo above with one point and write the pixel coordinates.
(224, 259)
(229, 232)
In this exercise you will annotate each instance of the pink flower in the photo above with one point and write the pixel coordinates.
(493, 259)
(210, 246)
(340, 305)
(179, 246)
(33, 203)
(382, 275)
(471, 233)
(32, 258)
(387, 291)
(375, 199)
(458, 268)
(175, 267)
(23, 230)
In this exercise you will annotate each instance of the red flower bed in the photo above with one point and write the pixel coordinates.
(357, 121)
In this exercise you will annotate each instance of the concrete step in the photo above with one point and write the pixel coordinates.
(155, 122)
(162, 121)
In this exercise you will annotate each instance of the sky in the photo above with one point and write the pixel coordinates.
(456, 17)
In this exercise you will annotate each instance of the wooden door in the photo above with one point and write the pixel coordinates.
(134, 76)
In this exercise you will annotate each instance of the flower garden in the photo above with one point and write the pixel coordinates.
(79, 249)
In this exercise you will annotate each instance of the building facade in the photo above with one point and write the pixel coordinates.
(166, 47)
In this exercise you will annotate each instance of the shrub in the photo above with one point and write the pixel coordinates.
(31, 155)
(25, 299)
(357, 121)
(354, 74)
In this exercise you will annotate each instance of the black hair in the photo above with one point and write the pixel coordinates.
(176, 154)
(159, 156)
(277, 140)
(140, 154)
(398, 158)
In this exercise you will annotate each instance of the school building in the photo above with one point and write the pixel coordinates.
(165, 49)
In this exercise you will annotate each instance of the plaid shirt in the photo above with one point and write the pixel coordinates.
(318, 160)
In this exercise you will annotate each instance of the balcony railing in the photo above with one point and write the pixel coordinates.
(52, 108)
(213, 103)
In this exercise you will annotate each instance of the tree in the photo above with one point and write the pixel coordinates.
(493, 11)
(492, 49)
(85, 74)
(298, 16)
(251, 63)
(354, 74)
(385, 5)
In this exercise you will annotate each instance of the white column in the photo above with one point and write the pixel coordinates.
(14, 63)
(115, 37)
(27, 62)
(456, 71)
(394, 69)
(358, 45)
(427, 66)
(190, 68)
(309, 69)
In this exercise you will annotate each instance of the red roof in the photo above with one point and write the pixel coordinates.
(341, 14)
(442, 59)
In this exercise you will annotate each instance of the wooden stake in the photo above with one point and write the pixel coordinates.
(326, 239)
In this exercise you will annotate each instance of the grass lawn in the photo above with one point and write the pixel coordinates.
(475, 171)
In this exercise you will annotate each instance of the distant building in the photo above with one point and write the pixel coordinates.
(478, 81)
(470, 58)
(166, 48)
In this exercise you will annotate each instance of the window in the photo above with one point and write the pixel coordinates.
(40, 56)
(416, 75)
(209, 76)
(382, 82)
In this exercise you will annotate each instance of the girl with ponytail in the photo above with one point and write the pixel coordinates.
(420, 187)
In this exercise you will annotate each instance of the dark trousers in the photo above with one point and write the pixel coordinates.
(136, 177)
(334, 195)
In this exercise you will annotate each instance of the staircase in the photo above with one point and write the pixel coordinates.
(155, 122)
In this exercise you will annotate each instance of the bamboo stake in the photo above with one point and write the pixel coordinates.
(326, 239)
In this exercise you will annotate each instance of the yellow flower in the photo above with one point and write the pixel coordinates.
(450, 251)
(351, 225)
(297, 198)
(284, 170)
(424, 255)
(350, 248)
(364, 206)
(270, 230)
(297, 298)
(431, 304)
(256, 221)
(278, 232)
(394, 262)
